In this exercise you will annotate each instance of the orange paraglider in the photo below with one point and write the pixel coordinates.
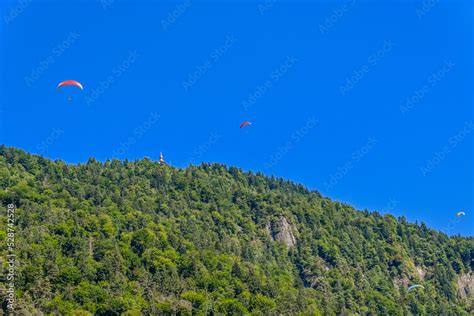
(245, 123)
(70, 83)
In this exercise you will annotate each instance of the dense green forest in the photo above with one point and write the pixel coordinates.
(139, 238)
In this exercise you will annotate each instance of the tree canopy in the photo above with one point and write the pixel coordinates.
(134, 238)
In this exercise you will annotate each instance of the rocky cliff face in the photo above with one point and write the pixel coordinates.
(421, 272)
(400, 282)
(404, 282)
(281, 230)
(465, 283)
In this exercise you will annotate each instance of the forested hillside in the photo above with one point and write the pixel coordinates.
(139, 238)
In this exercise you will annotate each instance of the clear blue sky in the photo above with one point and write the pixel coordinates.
(368, 102)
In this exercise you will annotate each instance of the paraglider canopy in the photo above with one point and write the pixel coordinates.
(70, 83)
(460, 213)
(415, 286)
(245, 123)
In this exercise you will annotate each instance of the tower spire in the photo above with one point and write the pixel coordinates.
(162, 160)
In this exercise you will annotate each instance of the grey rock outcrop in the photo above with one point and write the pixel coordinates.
(465, 283)
(281, 230)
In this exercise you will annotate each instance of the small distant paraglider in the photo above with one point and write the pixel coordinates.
(415, 287)
(245, 123)
(460, 214)
(70, 83)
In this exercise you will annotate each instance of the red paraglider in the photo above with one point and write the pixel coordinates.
(71, 83)
(245, 123)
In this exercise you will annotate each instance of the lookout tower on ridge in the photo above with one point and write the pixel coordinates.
(162, 161)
